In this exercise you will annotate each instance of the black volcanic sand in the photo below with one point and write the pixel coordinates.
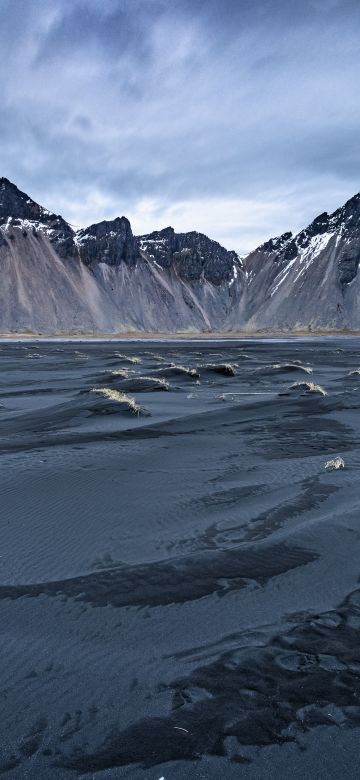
(179, 587)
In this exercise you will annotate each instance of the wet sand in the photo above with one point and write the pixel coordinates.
(179, 585)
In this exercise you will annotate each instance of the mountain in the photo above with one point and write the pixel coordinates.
(308, 280)
(103, 279)
(17, 210)
(193, 256)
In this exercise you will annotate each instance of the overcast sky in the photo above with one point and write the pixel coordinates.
(238, 118)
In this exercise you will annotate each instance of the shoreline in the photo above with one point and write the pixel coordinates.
(178, 336)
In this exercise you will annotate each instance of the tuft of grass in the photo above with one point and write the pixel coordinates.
(227, 369)
(163, 383)
(308, 387)
(156, 356)
(123, 372)
(128, 358)
(291, 367)
(184, 370)
(121, 398)
(335, 464)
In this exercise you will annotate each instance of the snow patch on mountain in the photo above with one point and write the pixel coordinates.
(24, 225)
(316, 245)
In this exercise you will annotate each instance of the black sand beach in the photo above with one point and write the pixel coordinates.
(179, 583)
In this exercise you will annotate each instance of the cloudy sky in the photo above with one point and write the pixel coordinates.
(238, 118)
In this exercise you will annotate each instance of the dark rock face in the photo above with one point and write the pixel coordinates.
(108, 242)
(275, 245)
(160, 246)
(347, 222)
(17, 210)
(62, 237)
(193, 255)
(348, 266)
(16, 204)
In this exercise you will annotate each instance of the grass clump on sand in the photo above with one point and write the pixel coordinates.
(156, 356)
(81, 355)
(291, 367)
(227, 369)
(336, 463)
(308, 387)
(128, 358)
(162, 383)
(123, 372)
(121, 398)
(184, 370)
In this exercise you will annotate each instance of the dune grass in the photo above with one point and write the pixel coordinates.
(122, 372)
(226, 369)
(291, 367)
(128, 358)
(308, 387)
(183, 370)
(335, 464)
(157, 357)
(122, 398)
(160, 381)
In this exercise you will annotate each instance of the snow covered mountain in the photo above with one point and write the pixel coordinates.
(103, 279)
(100, 279)
(309, 280)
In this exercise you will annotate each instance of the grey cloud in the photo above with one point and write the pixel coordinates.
(180, 100)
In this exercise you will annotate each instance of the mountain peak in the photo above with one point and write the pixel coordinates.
(15, 203)
(4, 182)
(274, 244)
(17, 210)
(109, 242)
(106, 226)
(193, 255)
(354, 200)
(349, 211)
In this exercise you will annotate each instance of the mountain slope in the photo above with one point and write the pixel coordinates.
(103, 279)
(308, 280)
(100, 279)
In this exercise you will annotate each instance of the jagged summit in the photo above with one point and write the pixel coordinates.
(6, 184)
(17, 210)
(193, 255)
(106, 226)
(277, 243)
(100, 279)
(110, 242)
(347, 216)
(312, 280)
(16, 204)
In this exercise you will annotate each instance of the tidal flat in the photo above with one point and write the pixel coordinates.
(179, 572)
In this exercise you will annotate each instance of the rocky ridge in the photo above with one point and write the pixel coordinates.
(17, 210)
(103, 279)
(310, 279)
(193, 255)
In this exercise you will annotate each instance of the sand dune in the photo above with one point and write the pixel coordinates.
(179, 591)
